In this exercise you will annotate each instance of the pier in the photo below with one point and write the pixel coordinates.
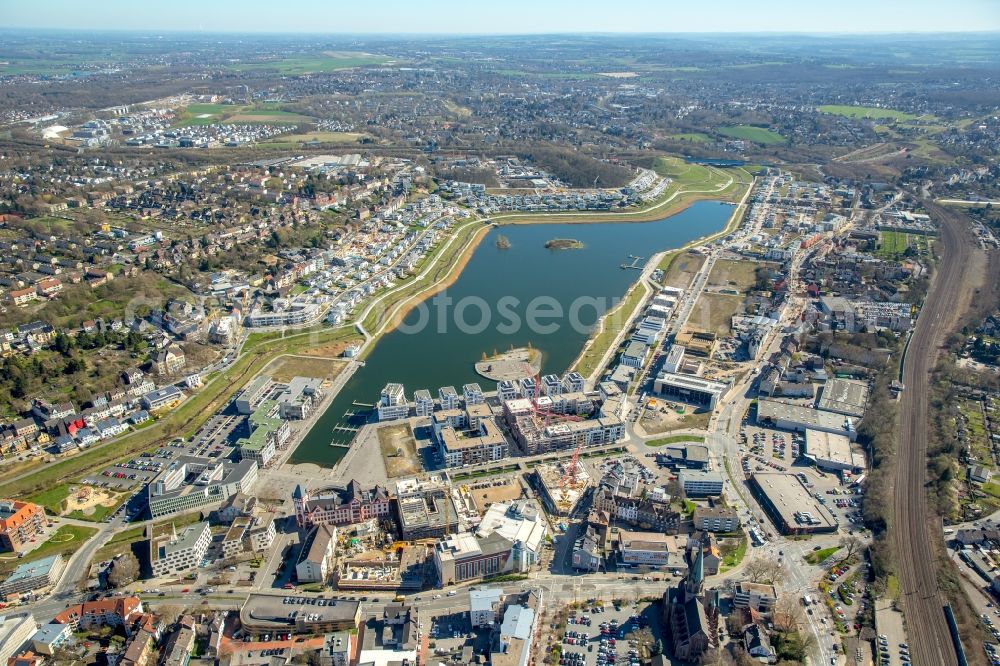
(635, 263)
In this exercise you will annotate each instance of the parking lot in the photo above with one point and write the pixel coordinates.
(771, 450)
(601, 635)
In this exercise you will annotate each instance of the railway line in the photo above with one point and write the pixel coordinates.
(915, 532)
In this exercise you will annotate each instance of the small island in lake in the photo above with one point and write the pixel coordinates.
(503, 243)
(512, 364)
(564, 244)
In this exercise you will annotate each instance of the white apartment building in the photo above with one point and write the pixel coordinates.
(179, 553)
(423, 402)
(392, 403)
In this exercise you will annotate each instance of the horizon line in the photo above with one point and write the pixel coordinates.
(776, 33)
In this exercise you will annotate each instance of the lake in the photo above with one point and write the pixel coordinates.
(522, 295)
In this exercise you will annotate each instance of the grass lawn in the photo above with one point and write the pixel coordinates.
(51, 498)
(866, 112)
(817, 556)
(66, 539)
(119, 544)
(735, 555)
(751, 133)
(286, 367)
(613, 323)
(675, 439)
(992, 488)
(894, 244)
(321, 137)
(313, 64)
(693, 137)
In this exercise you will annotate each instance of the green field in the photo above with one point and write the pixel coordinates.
(209, 114)
(51, 498)
(894, 245)
(204, 114)
(294, 140)
(313, 64)
(675, 439)
(66, 539)
(817, 556)
(866, 112)
(751, 133)
(693, 137)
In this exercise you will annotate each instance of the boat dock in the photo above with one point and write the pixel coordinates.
(635, 263)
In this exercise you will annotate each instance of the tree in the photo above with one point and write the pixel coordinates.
(852, 544)
(762, 570)
(124, 571)
(787, 613)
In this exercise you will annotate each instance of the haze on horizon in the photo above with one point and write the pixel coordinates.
(511, 17)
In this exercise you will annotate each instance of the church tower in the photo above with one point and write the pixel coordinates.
(300, 498)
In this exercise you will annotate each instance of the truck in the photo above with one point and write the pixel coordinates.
(807, 600)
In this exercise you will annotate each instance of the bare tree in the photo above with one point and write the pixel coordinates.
(852, 544)
(124, 571)
(787, 613)
(169, 613)
(762, 570)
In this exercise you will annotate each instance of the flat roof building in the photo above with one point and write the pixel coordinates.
(173, 554)
(700, 482)
(690, 389)
(191, 482)
(15, 630)
(32, 576)
(800, 419)
(832, 452)
(844, 396)
(266, 614)
(791, 506)
(426, 509)
(654, 550)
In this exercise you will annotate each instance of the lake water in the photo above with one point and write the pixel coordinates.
(489, 305)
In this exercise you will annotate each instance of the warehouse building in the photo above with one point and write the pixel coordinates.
(790, 504)
(844, 396)
(832, 452)
(799, 419)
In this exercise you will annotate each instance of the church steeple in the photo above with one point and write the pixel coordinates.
(696, 573)
(300, 497)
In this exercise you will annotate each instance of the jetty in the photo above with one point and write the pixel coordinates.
(635, 263)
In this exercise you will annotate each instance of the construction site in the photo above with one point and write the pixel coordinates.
(562, 485)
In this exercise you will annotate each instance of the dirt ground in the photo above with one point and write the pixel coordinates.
(682, 269)
(486, 492)
(86, 498)
(738, 275)
(330, 350)
(663, 418)
(399, 450)
(282, 369)
(714, 312)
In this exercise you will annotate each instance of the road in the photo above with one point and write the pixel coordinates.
(916, 534)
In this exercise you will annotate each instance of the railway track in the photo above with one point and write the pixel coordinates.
(917, 534)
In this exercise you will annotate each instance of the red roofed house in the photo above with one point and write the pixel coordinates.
(120, 611)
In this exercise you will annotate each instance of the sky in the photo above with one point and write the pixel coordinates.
(506, 16)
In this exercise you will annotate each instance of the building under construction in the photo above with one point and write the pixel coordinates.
(560, 422)
(562, 485)
(426, 508)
